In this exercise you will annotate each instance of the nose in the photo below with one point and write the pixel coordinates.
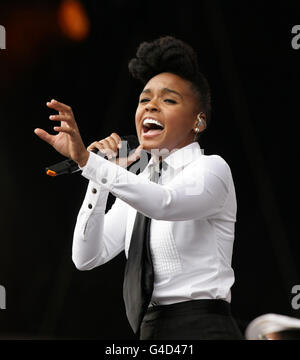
(152, 106)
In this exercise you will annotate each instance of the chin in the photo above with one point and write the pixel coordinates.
(149, 144)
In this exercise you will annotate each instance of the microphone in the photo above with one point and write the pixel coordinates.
(70, 167)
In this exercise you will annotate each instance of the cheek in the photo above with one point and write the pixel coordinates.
(180, 125)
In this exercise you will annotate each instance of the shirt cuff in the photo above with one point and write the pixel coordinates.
(95, 199)
(101, 171)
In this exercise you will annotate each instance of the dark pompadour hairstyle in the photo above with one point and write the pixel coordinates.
(168, 54)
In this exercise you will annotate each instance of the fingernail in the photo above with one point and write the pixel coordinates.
(119, 145)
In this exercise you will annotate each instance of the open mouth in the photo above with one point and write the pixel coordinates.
(152, 127)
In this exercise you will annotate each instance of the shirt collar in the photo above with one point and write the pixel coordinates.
(179, 157)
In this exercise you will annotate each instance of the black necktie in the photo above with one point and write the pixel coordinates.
(139, 275)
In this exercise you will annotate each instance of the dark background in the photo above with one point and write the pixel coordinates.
(244, 48)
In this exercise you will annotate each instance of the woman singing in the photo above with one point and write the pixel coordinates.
(177, 230)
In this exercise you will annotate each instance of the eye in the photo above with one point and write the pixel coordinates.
(171, 101)
(144, 100)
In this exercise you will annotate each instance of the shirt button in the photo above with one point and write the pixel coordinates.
(94, 191)
(104, 180)
(90, 206)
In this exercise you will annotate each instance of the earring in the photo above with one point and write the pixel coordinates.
(196, 134)
(199, 120)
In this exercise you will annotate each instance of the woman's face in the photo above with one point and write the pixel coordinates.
(167, 113)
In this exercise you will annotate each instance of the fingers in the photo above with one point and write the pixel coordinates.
(103, 147)
(60, 117)
(64, 129)
(67, 121)
(109, 146)
(117, 140)
(68, 141)
(65, 115)
(95, 145)
(42, 134)
(112, 142)
(54, 104)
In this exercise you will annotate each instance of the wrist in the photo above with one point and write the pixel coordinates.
(84, 159)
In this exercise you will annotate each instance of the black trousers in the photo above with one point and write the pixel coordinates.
(190, 320)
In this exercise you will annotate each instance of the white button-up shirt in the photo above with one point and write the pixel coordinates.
(193, 212)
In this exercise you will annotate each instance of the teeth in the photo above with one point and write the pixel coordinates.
(152, 121)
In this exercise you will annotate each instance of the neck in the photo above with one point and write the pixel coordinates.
(162, 154)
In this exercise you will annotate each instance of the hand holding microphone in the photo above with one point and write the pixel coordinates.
(112, 148)
(68, 142)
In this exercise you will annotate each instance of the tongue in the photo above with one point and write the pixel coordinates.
(154, 131)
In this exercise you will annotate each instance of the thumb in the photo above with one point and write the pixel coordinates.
(136, 155)
(42, 134)
(138, 150)
(125, 162)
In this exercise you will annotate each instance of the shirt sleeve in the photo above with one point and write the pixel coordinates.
(199, 191)
(98, 237)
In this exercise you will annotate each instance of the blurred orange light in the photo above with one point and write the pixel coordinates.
(73, 20)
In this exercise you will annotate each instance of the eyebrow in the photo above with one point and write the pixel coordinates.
(164, 90)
